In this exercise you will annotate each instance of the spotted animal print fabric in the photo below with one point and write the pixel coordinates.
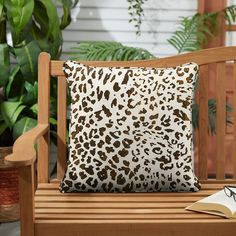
(130, 129)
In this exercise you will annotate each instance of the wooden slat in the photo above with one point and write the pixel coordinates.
(53, 195)
(165, 227)
(110, 210)
(50, 195)
(201, 6)
(61, 127)
(203, 122)
(136, 221)
(126, 216)
(234, 120)
(116, 204)
(26, 183)
(43, 116)
(220, 121)
(230, 27)
(206, 185)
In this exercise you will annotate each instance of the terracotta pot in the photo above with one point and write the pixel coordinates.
(9, 189)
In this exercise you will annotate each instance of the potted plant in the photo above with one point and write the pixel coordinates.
(27, 27)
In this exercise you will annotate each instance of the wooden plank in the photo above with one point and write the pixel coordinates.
(215, 6)
(160, 198)
(108, 210)
(61, 127)
(53, 195)
(159, 203)
(234, 121)
(26, 183)
(43, 116)
(201, 6)
(205, 185)
(125, 216)
(203, 122)
(194, 227)
(230, 27)
(137, 221)
(220, 121)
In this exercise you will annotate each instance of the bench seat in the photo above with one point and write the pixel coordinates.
(123, 211)
(44, 211)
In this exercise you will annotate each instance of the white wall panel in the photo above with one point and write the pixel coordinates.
(107, 20)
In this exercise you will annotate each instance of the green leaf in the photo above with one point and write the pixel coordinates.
(27, 58)
(34, 108)
(23, 125)
(52, 121)
(12, 83)
(1, 6)
(19, 14)
(66, 18)
(195, 31)
(4, 64)
(10, 112)
(31, 95)
(46, 16)
(108, 51)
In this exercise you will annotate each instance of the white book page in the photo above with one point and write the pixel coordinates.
(222, 199)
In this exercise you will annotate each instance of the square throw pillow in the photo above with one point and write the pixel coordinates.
(130, 129)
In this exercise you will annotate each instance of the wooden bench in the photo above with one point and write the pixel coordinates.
(47, 212)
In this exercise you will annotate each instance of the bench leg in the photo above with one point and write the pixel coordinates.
(26, 184)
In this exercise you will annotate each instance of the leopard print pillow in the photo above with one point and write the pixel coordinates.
(130, 129)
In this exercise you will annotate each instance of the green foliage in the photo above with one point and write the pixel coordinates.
(136, 13)
(34, 26)
(194, 31)
(109, 51)
(229, 13)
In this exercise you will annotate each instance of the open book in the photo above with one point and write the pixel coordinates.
(216, 204)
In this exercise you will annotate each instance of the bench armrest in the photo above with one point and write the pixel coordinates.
(24, 153)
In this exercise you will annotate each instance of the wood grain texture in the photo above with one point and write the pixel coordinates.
(43, 115)
(203, 122)
(121, 209)
(26, 184)
(61, 127)
(24, 153)
(201, 6)
(220, 120)
(194, 227)
(216, 6)
(234, 120)
(51, 213)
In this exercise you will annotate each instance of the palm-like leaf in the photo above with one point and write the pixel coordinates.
(109, 51)
(195, 31)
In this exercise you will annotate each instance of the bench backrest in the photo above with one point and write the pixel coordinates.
(219, 63)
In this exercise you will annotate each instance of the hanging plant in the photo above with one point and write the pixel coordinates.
(136, 13)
